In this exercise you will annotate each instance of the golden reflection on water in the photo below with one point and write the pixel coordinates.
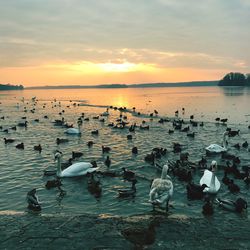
(25, 169)
(202, 101)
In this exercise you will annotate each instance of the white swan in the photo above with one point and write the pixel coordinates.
(76, 169)
(215, 148)
(209, 178)
(161, 189)
(74, 131)
(106, 113)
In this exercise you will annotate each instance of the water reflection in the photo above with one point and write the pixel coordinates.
(26, 167)
(234, 91)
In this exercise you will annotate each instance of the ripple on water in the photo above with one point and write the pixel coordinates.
(22, 170)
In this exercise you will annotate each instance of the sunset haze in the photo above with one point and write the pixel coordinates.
(90, 42)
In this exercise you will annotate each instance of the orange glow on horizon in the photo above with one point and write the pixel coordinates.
(88, 73)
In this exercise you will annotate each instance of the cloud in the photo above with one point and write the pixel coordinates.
(167, 33)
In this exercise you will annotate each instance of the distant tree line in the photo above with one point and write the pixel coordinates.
(235, 79)
(10, 87)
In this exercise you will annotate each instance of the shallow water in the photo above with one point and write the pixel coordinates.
(22, 170)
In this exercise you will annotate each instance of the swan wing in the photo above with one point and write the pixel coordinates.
(77, 169)
(161, 191)
(155, 182)
(72, 131)
(206, 179)
(226, 204)
(215, 148)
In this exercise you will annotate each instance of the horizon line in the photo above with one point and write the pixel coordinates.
(133, 85)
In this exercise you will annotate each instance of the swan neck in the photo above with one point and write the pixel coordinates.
(164, 173)
(59, 169)
(212, 183)
(224, 141)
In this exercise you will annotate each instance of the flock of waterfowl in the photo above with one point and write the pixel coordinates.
(160, 190)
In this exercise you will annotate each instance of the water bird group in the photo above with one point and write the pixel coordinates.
(157, 197)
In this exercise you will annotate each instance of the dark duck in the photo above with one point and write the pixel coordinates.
(237, 206)
(53, 183)
(195, 192)
(128, 175)
(128, 192)
(94, 186)
(207, 208)
(33, 202)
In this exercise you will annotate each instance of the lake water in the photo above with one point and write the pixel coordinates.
(22, 170)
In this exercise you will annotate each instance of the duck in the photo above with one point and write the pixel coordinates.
(215, 148)
(161, 190)
(237, 206)
(225, 179)
(186, 129)
(128, 192)
(53, 183)
(144, 127)
(107, 162)
(245, 144)
(8, 140)
(194, 191)
(105, 149)
(128, 175)
(95, 132)
(129, 137)
(210, 180)
(76, 169)
(22, 124)
(38, 148)
(233, 133)
(76, 154)
(32, 200)
(94, 186)
(20, 145)
(90, 143)
(202, 163)
(135, 150)
(177, 147)
(224, 120)
(247, 177)
(61, 140)
(191, 134)
(233, 188)
(207, 208)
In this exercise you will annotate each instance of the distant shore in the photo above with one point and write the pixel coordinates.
(10, 87)
(142, 85)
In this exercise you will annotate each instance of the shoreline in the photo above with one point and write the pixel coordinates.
(148, 231)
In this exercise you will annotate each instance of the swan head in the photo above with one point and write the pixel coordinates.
(58, 155)
(214, 165)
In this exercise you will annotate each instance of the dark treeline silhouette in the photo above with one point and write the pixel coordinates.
(140, 85)
(235, 79)
(10, 87)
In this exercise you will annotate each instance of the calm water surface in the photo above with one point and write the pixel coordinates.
(22, 170)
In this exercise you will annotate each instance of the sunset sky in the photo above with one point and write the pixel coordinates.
(89, 42)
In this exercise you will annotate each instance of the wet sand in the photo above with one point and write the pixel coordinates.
(150, 231)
